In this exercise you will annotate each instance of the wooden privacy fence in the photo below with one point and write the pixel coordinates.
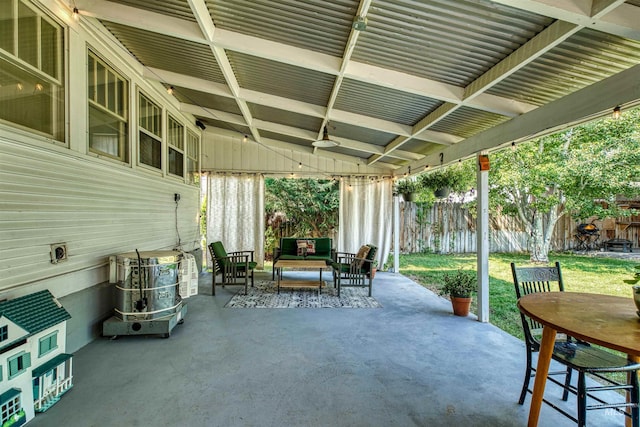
(447, 227)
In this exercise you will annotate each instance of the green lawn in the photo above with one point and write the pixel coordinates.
(580, 274)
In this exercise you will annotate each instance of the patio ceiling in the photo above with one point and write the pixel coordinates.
(427, 82)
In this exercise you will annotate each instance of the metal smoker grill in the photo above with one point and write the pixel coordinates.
(587, 237)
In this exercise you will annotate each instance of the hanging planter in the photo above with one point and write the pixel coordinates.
(409, 197)
(442, 192)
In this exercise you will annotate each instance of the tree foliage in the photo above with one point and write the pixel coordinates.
(310, 205)
(579, 172)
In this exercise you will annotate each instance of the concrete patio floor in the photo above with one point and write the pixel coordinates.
(409, 363)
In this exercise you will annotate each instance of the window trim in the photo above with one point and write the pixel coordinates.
(149, 132)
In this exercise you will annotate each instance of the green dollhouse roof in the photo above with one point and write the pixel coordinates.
(34, 312)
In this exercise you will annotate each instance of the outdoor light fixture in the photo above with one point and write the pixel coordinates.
(245, 138)
(360, 23)
(483, 162)
(616, 112)
(325, 142)
(76, 14)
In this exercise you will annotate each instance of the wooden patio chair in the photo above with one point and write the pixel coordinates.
(355, 270)
(574, 355)
(231, 266)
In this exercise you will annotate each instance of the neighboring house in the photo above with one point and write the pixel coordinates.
(34, 369)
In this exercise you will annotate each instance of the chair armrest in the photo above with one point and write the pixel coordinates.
(242, 253)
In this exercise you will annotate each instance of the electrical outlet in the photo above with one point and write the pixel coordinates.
(58, 252)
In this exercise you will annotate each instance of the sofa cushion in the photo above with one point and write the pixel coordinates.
(289, 246)
(361, 256)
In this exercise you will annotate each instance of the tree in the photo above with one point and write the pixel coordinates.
(579, 172)
(311, 206)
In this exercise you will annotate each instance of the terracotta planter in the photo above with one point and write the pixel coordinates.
(460, 306)
(373, 272)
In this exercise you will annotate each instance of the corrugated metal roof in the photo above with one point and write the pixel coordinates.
(359, 133)
(168, 53)
(448, 41)
(206, 100)
(285, 138)
(281, 79)
(284, 117)
(585, 58)
(316, 25)
(466, 122)
(488, 61)
(383, 103)
(174, 8)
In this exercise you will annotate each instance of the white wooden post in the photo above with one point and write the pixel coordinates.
(396, 234)
(482, 237)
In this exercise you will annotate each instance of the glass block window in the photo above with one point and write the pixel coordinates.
(150, 132)
(175, 147)
(31, 69)
(18, 364)
(193, 158)
(108, 94)
(48, 343)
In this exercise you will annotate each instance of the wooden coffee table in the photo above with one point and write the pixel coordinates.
(300, 265)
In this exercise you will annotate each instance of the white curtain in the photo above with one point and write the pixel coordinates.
(366, 215)
(235, 213)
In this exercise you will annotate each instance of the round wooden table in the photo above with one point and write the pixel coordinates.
(605, 320)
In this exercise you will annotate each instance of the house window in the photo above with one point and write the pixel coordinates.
(108, 110)
(48, 343)
(10, 408)
(193, 158)
(175, 147)
(4, 333)
(31, 69)
(18, 364)
(150, 132)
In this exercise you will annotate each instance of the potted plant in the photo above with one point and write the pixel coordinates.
(460, 287)
(407, 188)
(374, 268)
(442, 181)
(636, 287)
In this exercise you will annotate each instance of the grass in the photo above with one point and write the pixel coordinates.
(580, 273)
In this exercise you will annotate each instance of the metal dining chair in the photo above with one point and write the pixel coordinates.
(575, 355)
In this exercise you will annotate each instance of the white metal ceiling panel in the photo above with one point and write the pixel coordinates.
(316, 25)
(288, 118)
(448, 41)
(174, 8)
(206, 100)
(168, 53)
(280, 79)
(383, 103)
(466, 122)
(585, 58)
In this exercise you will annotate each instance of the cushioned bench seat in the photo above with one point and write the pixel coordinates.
(288, 250)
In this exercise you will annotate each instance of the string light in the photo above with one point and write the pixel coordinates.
(170, 90)
(513, 146)
(39, 87)
(76, 14)
(300, 165)
(245, 138)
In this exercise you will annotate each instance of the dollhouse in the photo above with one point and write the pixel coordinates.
(35, 371)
